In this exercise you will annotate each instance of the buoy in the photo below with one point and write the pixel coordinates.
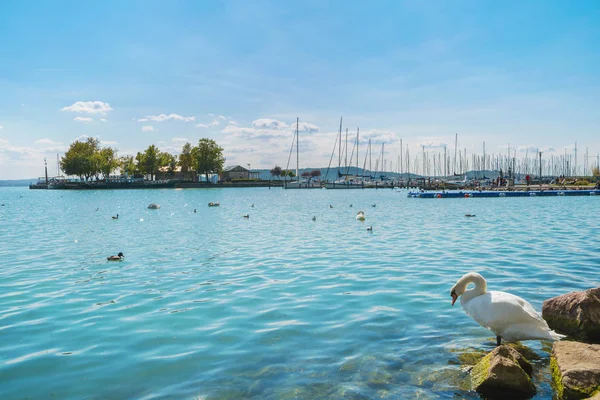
(561, 193)
(532, 194)
(502, 195)
(154, 206)
(439, 196)
(592, 193)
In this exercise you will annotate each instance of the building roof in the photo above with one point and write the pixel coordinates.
(233, 167)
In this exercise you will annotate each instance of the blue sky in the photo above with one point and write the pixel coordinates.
(240, 72)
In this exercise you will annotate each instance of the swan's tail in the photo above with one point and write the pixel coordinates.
(556, 336)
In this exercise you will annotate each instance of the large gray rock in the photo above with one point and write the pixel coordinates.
(576, 369)
(577, 314)
(503, 373)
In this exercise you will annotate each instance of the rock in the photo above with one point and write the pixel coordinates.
(576, 369)
(503, 373)
(576, 314)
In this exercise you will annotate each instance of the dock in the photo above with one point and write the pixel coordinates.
(504, 193)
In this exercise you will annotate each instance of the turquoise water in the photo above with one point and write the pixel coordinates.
(211, 305)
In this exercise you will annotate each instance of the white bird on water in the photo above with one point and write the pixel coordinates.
(360, 216)
(510, 317)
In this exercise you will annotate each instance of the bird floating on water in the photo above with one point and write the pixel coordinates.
(154, 206)
(373, 205)
(314, 218)
(115, 216)
(252, 205)
(508, 316)
(330, 206)
(360, 216)
(350, 205)
(370, 229)
(118, 257)
(469, 215)
(215, 204)
(194, 210)
(247, 216)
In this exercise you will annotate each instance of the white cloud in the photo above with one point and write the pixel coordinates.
(83, 119)
(307, 127)
(201, 126)
(89, 107)
(268, 123)
(81, 138)
(218, 117)
(180, 140)
(142, 120)
(432, 144)
(1, 127)
(165, 117)
(103, 119)
(378, 136)
(215, 122)
(147, 128)
(527, 148)
(108, 142)
(3, 141)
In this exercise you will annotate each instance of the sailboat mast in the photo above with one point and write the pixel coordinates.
(297, 152)
(346, 153)
(340, 146)
(357, 142)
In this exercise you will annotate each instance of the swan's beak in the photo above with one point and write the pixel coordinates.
(454, 297)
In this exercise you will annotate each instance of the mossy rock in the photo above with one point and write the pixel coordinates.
(503, 373)
(575, 369)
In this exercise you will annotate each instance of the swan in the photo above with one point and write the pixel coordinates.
(510, 317)
(118, 257)
(360, 216)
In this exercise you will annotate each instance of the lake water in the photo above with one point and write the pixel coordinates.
(211, 305)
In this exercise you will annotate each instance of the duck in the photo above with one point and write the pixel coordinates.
(115, 216)
(508, 316)
(215, 204)
(194, 211)
(314, 218)
(373, 205)
(350, 205)
(469, 215)
(252, 205)
(370, 229)
(330, 206)
(247, 216)
(360, 216)
(118, 257)
(154, 206)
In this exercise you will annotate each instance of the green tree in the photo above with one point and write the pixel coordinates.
(187, 160)
(595, 171)
(107, 161)
(81, 158)
(276, 171)
(168, 160)
(127, 165)
(149, 161)
(209, 157)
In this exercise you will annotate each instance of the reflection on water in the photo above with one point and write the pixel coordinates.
(276, 306)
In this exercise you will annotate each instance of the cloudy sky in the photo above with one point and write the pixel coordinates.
(135, 73)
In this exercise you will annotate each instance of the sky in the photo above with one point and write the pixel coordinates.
(518, 74)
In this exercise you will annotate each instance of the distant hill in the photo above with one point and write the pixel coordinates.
(18, 182)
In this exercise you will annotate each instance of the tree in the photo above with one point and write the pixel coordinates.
(127, 165)
(276, 171)
(149, 161)
(107, 161)
(306, 175)
(168, 160)
(209, 157)
(81, 158)
(315, 173)
(187, 160)
(595, 171)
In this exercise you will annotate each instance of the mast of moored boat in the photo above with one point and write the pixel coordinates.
(297, 153)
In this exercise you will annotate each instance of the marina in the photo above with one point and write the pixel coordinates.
(503, 193)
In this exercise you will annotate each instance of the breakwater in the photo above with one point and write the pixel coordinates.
(493, 194)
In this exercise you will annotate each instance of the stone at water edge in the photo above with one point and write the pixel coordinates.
(576, 314)
(503, 372)
(576, 369)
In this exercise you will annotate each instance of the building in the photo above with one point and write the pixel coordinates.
(238, 172)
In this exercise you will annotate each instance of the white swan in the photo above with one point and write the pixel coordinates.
(360, 216)
(510, 317)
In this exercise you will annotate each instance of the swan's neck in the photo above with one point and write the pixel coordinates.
(479, 289)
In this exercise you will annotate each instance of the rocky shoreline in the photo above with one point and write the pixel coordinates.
(575, 360)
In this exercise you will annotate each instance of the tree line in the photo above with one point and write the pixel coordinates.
(278, 171)
(87, 159)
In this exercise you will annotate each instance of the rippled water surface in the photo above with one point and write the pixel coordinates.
(276, 306)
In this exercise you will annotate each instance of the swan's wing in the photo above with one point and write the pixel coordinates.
(499, 310)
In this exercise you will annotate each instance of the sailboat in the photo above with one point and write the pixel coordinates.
(299, 183)
(346, 180)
